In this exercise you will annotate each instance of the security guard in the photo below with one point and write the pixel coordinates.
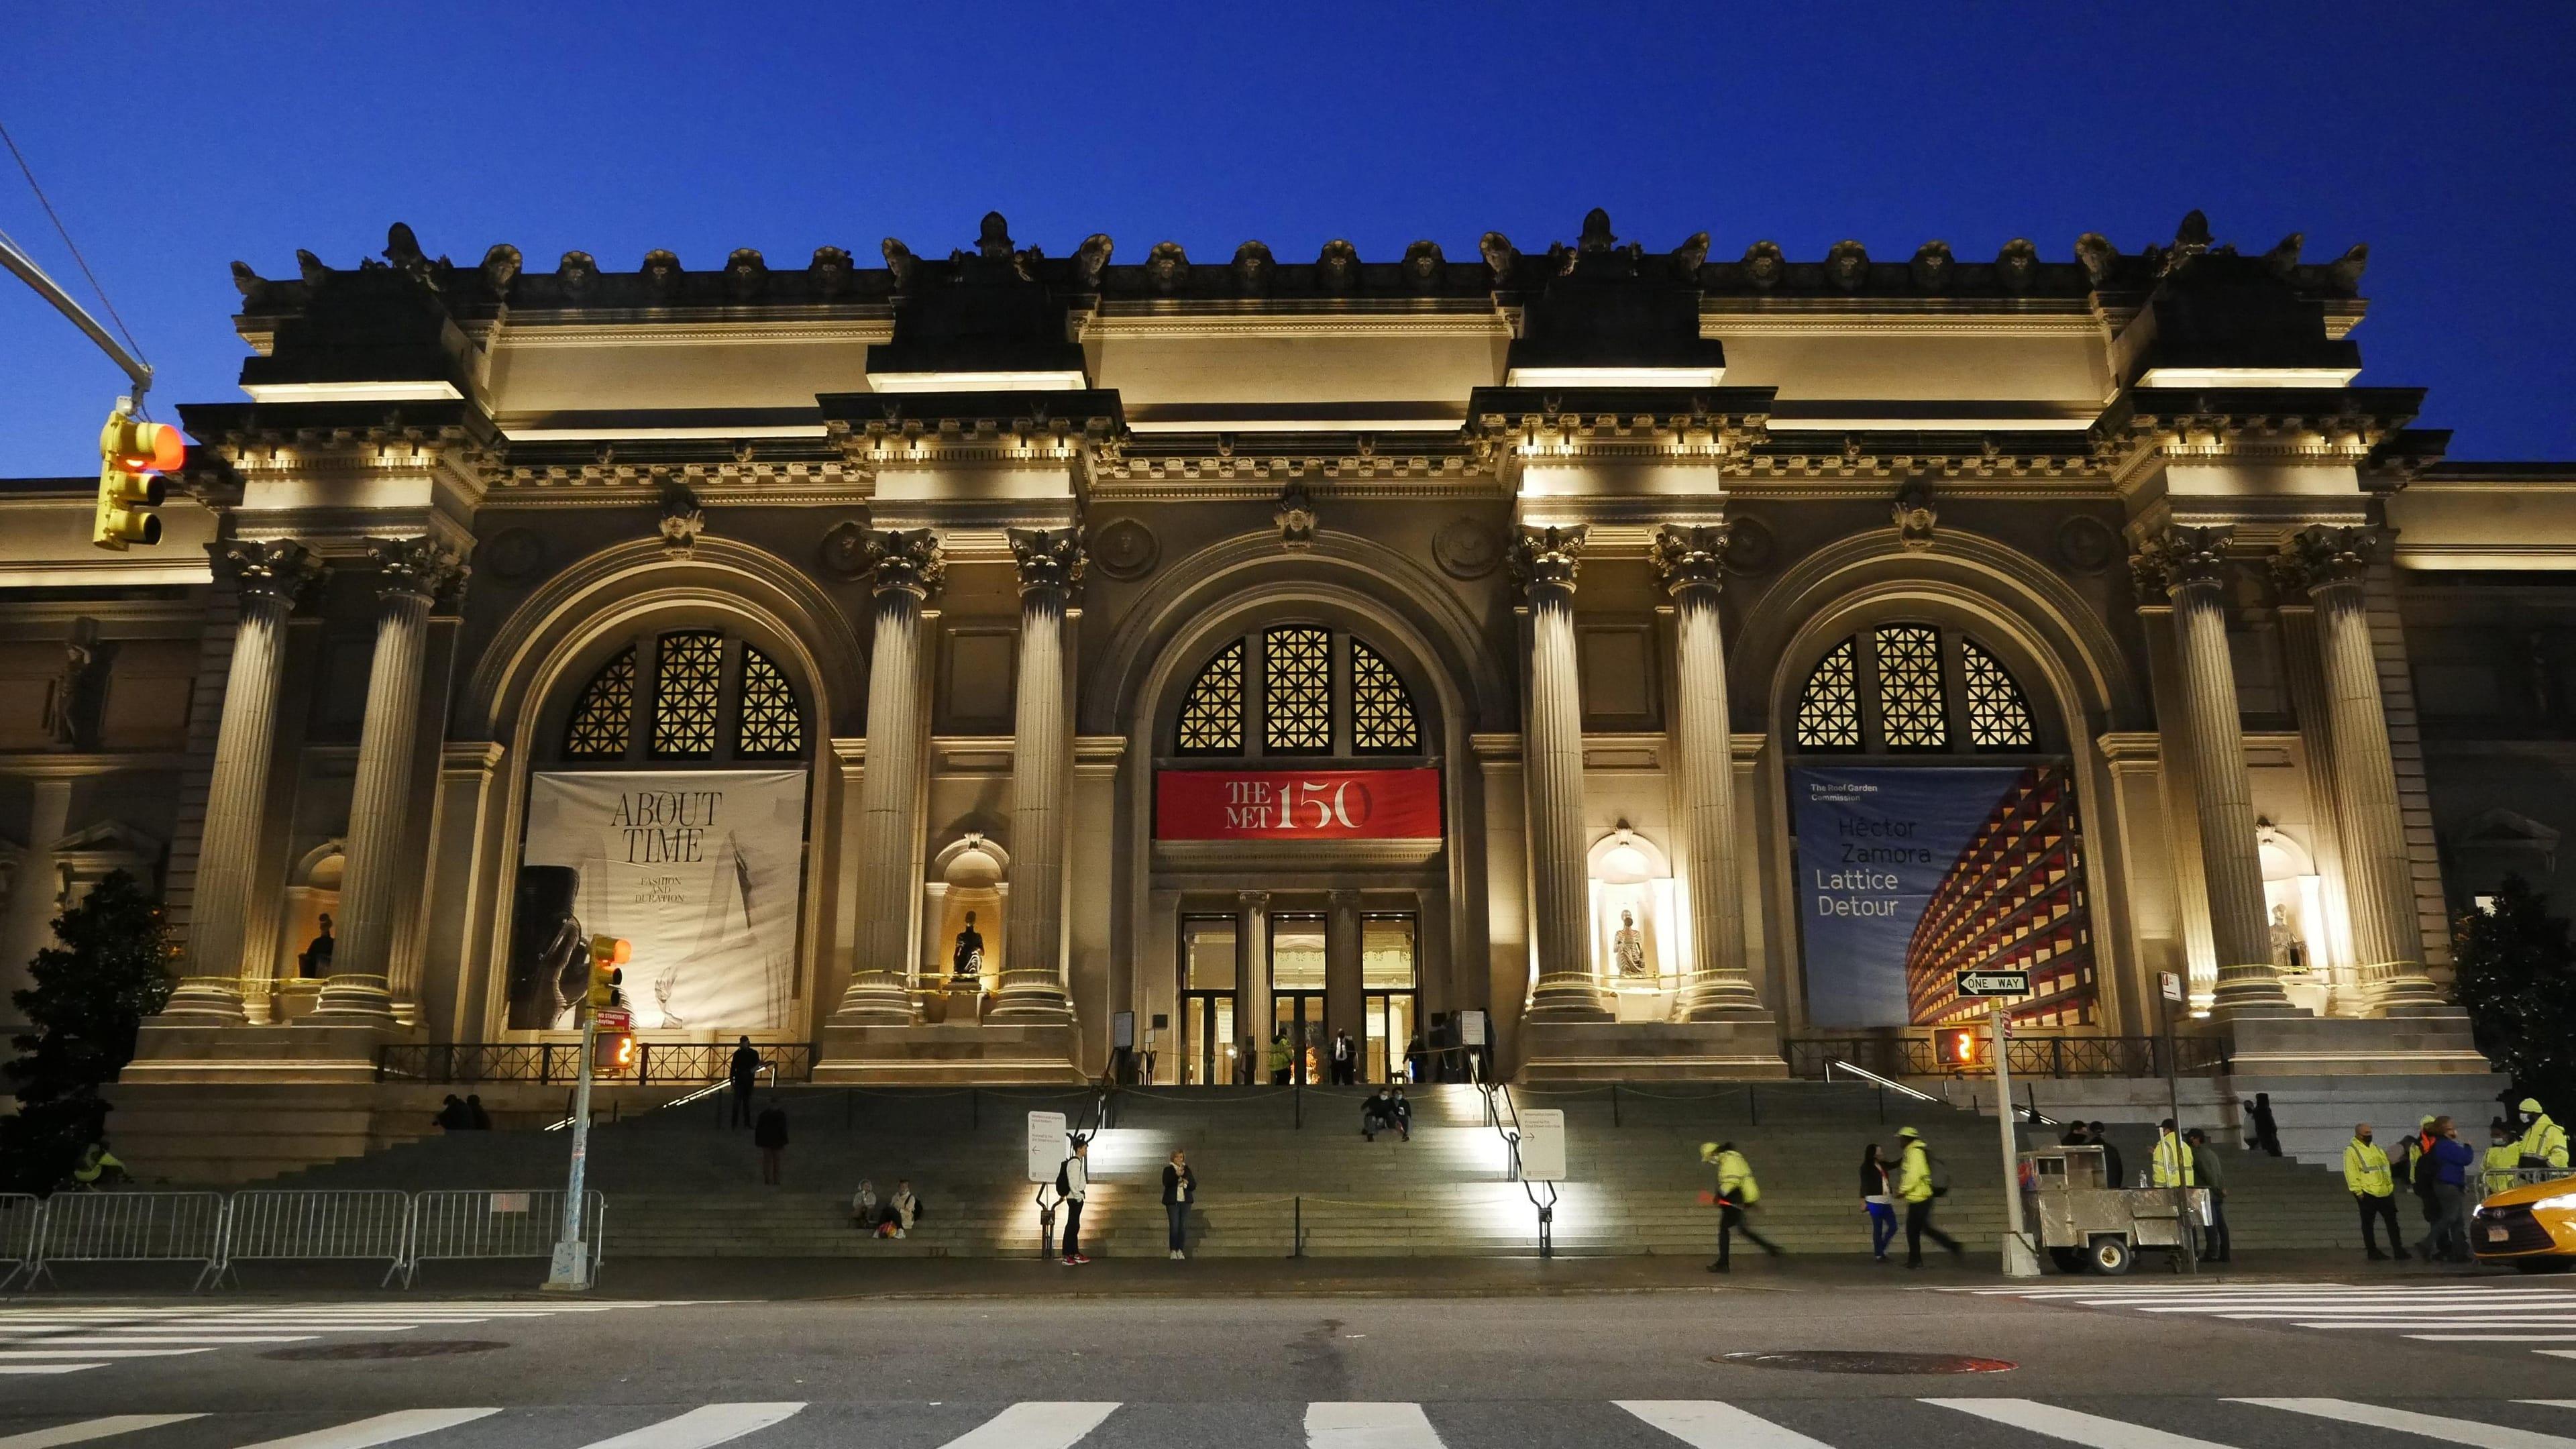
(1915, 1182)
(2504, 1156)
(2374, 1190)
(2544, 1142)
(2171, 1165)
(1736, 1191)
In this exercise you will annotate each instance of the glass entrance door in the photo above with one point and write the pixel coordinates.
(1297, 993)
(1388, 976)
(1209, 1053)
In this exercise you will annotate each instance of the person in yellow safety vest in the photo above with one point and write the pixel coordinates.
(1279, 1058)
(2544, 1142)
(96, 1164)
(2171, 1166)
(1917, 1182)
(1736, 1191)
(2504, 1158)
(2374, 1190)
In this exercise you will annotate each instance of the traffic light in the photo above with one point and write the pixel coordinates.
(133, 455)
(1958, 1046)
(607, 954)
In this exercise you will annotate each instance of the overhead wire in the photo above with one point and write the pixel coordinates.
(71, 246)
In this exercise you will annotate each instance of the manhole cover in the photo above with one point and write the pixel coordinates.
(1847, 1361)
(390, 1348)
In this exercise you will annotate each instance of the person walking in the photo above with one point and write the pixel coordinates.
(2373, 1186)
(2544, 1142)
(744, 1072)
(2170, 1165)
(1736, 1192)
(769, 1134)
(2448, 1158)
(1346, 1070)
(1879, 1201)
(1180, 1189)
(2215, 1243)
(2504, 1159)
(1073, 1179)
(2267, 1133)
(1918, 1183)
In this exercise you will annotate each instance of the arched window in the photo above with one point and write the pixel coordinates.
(1298, 689)
(715, 698)
(1913, 688)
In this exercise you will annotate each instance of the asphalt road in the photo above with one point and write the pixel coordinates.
(2136, 1365)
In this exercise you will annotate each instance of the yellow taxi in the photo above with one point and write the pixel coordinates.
(2533, 1227)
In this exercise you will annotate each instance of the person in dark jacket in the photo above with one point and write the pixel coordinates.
(2258, 1115)
(1377, 1114)
(2217, 1246)
(744, 1071)
(1180, 1189)
(2449, 1160)
(476, 1117)
(769, 1134)
(2111, 1175)
(1879, 1200)
(452, 1116)
(1400, 1112)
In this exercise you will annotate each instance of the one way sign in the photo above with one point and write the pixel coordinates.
(1994, 983)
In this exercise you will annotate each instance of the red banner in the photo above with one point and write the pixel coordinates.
(1297, 805)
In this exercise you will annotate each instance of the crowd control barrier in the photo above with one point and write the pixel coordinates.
(22, 1225)
(367, 1226)
(464, 1225)
(132, 1227)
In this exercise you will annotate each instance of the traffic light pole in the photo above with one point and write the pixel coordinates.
(2019, 1260)
(572, 1256)
(26, 270)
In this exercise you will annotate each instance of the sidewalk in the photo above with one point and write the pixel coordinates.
(782, 1279)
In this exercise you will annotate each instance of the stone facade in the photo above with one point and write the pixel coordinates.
(1021, 560)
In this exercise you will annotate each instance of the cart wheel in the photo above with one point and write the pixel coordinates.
(2068, 1260)
(2110, 1256)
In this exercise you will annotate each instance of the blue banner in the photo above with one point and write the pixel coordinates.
(1875, 846)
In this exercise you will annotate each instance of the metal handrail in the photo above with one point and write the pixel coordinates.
(1866, 1075)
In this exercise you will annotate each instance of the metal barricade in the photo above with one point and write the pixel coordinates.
(22, 1227)
(462, 1225)
(132, 1227)
(368, 1225)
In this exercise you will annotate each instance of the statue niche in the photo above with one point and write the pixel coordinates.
(963, 954)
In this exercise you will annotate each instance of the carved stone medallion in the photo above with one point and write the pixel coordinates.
(1467, 548)
(2086, 545)
(1125, 549)
(512, 555)
(844, 551)
(1751, 548)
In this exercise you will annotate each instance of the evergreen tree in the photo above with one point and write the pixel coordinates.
(91, 993)
(2517, 981)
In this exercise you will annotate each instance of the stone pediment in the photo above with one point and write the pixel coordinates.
(2508, 832)
(109, 837)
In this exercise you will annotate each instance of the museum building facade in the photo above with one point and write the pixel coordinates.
(1002, 667)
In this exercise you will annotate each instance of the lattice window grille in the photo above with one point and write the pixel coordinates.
(688, 690)
(1910, 708)
(1999, 717)
(1829, 707)
(771, 722)
(1382, 714)
(1212, 716)
(601, 717)
(1297, 689)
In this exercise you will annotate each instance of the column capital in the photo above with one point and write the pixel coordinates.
(2178, 558)
(416, 568)
(1548, 558)
(1048, 558)
(908, 560)
(272, 569)
(2323, 557)
(1691, 556)
(1253, 900)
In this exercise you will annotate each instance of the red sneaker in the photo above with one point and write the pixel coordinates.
(1078, 1258)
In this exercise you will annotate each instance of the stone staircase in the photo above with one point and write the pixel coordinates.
(681, 1184)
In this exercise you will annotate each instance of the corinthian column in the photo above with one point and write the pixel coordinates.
(1693, 564)
(1032, 985)
(267, 577)
(2334, 563)
(2190, 566)
(1545, 560)
(412, 573)
(908, 571)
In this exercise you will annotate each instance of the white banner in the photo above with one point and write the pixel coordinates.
(701, 870)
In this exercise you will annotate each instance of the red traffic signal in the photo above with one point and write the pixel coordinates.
(132, 456)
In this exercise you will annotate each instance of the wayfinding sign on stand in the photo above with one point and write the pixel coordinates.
(1047, 1146)
(1542, 1144)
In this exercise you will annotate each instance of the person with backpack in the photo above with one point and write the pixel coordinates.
(1736, 1191)
(1920, 1178)
(1073, 1182)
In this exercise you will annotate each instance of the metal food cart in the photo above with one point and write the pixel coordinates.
(2086, 1222)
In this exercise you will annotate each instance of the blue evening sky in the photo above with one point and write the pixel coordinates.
(2443, 135)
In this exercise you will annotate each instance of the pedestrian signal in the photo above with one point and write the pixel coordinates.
(617, 1051)
(132, 455)
(1958, 1047)
(607, 954)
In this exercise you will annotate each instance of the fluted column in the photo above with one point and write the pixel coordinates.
(2378, 875)
(2190, 566)
(413, 572)
(1560, 896)
(1032, 986)
(908, 571)
(1252, 1009)
(267, 577)
(1693, 564)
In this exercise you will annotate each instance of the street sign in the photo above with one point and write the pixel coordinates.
(616, 1018)
(1994, 983)
(2172, 984)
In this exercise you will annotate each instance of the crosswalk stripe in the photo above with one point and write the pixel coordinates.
(2497, 1338)
(47, 1368)
(216, 1340)
(701, 1427)
(2068, 1424)
(2557, 1352)
(8, 1354)
(1035, 1425)
(1354, 1425)
(87, 1429)
(2544, 1403)
(1709, 1424)
(380, 1429)
(2406, 1421)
